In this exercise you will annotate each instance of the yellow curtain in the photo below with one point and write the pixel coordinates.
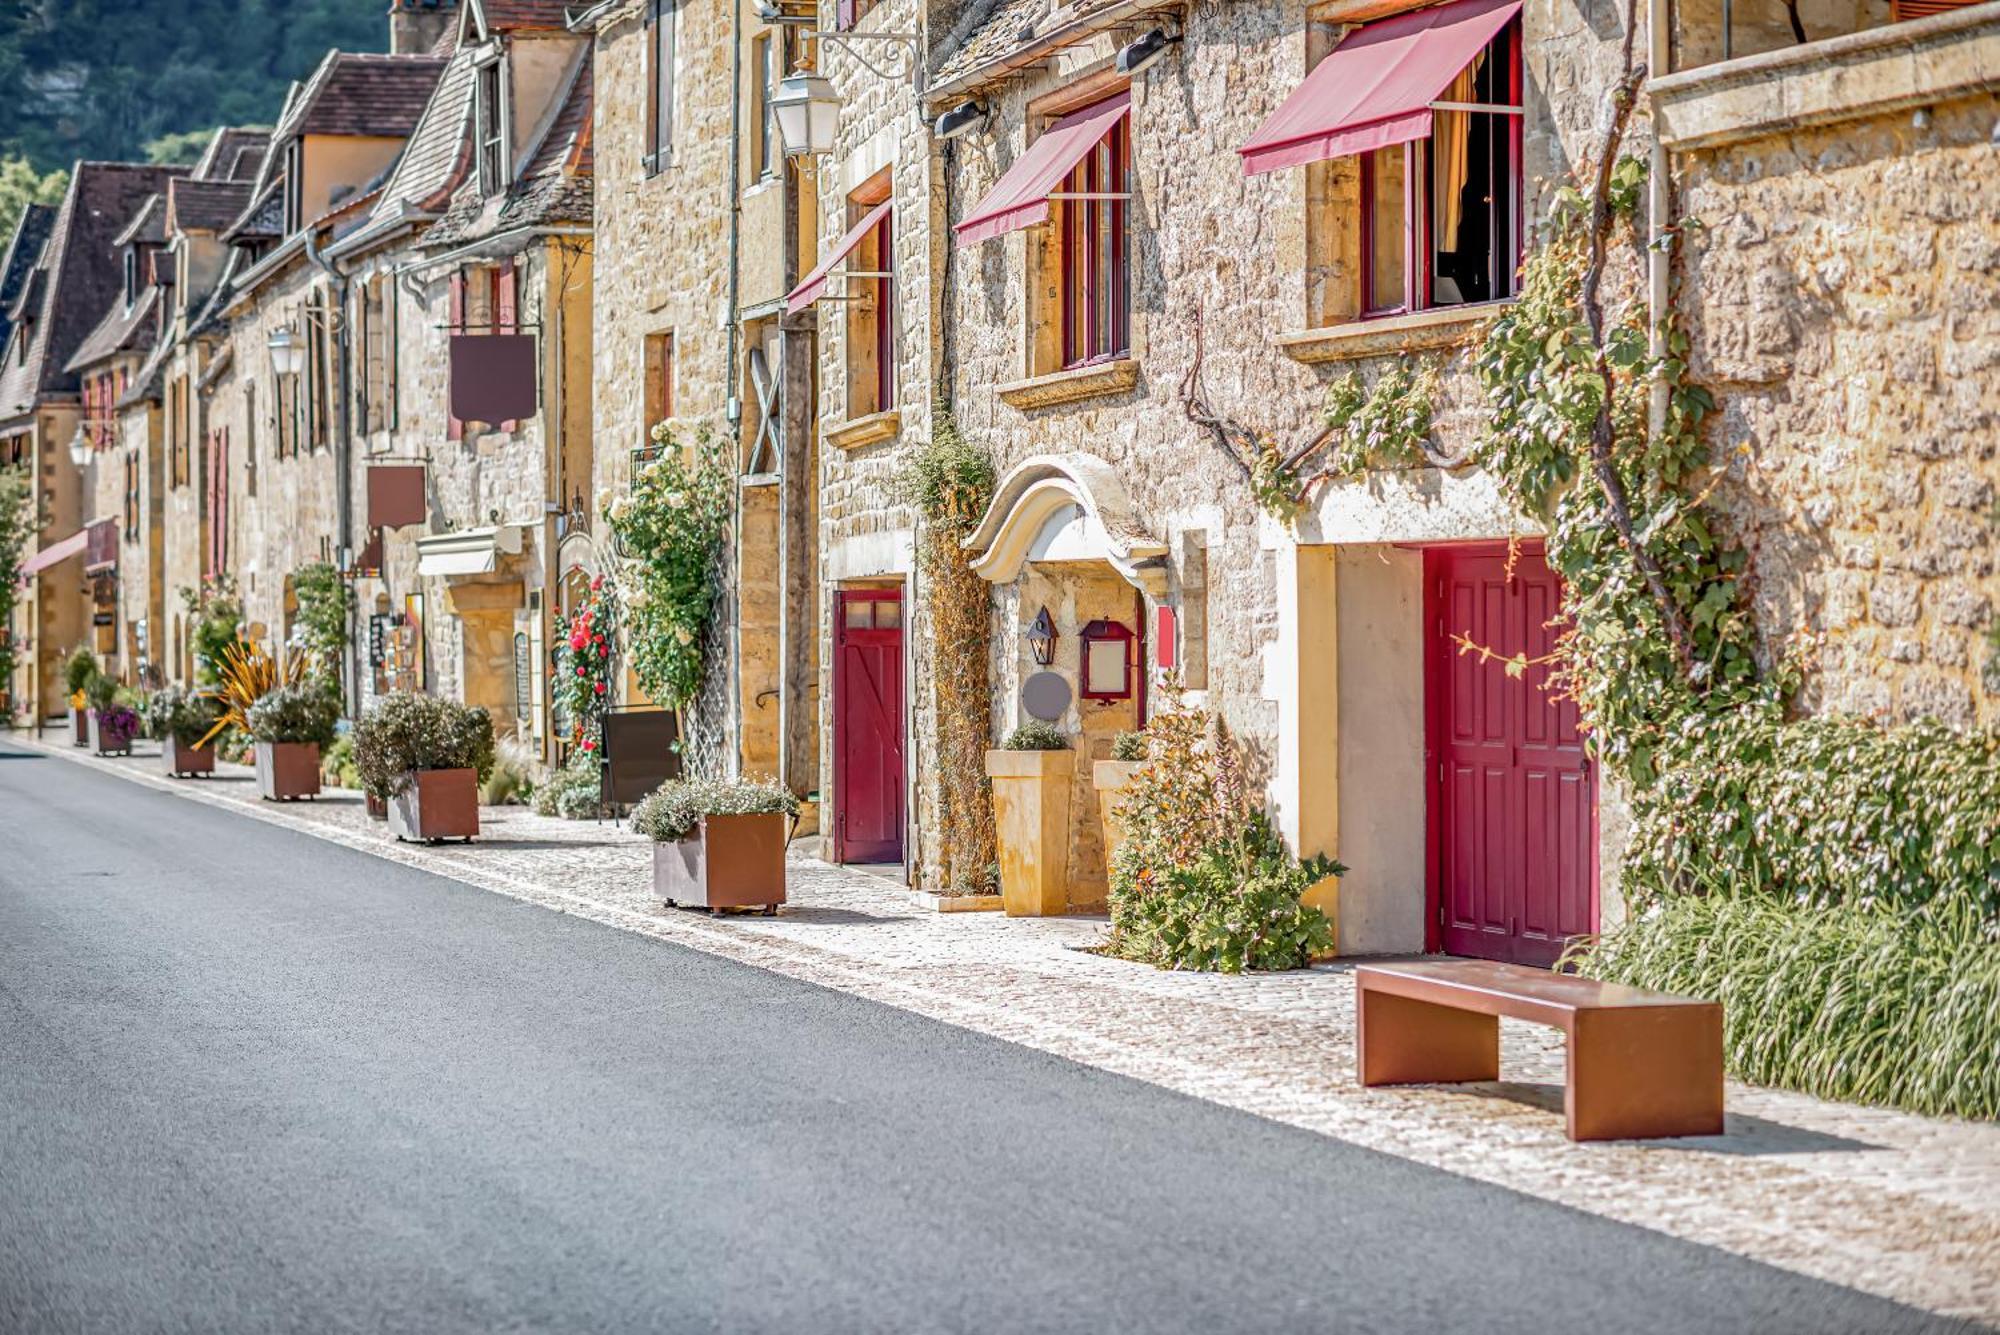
(1449, 134)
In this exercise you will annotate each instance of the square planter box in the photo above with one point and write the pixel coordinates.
(105, 742)
(732, 862)
(180, 761)
(437, 804)
(1110, 777)
(79, 726)
(1031, 818)
(287, 770)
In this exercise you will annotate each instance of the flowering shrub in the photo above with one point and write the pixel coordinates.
(582, 675)
(674, 809)
(117, 725)
(669, 530)
(1035, 735)
(573, 792)
(186, 716)
(294, 713)
(404, 731)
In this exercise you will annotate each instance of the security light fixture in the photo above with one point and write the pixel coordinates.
(1144, 53)
(1042, 638)
(808, 113)
(287, 354)
(963, 119)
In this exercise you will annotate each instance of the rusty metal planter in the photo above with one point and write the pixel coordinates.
(378, 807)
(109, 741)
(732, 862)
(287, 770)
(79, 726)
(182, 761)
(436, 804)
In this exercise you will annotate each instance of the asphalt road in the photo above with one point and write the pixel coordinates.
(252, 1081)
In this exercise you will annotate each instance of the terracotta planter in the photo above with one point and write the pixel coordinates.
(1110, 777)
(287, 770)
(732, 862)
(181, 761)
(79, 726)
(1031, 818)
(436, 804)
(109, 742)
(378, 808)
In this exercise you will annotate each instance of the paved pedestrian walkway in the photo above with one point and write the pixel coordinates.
(1902, 1206)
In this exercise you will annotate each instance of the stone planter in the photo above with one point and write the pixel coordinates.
(436, 804)
(184, 761)
(287, 770)
(1110, 778)
(110, 741)
(79, 726)
(732, 862)
(1031, 819)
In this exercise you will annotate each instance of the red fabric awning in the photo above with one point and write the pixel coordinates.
(1021, 197)
(807, 292)
(100, 547)
(55, 552)
(1377, 86)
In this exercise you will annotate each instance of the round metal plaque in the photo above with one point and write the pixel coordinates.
(1045, 696)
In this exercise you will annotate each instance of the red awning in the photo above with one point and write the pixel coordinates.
(806, 293)
(55, 552)
(1021, 198)
(100, 547)
(1377, 86)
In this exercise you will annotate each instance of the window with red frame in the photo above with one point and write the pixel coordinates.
(1091, 232)
(1441, 216)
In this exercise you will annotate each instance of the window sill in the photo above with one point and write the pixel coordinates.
(1872, 72)
(1072, 386)
(1355, 339)
(870, 430)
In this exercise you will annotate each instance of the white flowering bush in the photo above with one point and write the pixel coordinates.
(670, 528)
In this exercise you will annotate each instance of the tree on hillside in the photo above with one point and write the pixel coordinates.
(20, 186)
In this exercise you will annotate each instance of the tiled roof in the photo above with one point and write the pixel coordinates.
(205, 206)
(1008, 26)
(263, 219)
(148, 226)
(23, 249)
(123, 329)
(85, 270)
(234, 154)
(554, 186)
(440, 148)
(502, 15)
(362, 94)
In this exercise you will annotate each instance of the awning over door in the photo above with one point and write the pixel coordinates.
(56, 552)
(472, 551)
(1377, 86)
(1021, 197)
(100, 547)
(807, 292)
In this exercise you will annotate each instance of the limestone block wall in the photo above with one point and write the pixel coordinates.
(1843, 298)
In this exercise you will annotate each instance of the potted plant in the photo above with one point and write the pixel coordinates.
(112, 721)
(718, 843)
(79, 671)
(425, 758)
(289, 724)
(1032, 771)
(1111, 778)
(182, 721)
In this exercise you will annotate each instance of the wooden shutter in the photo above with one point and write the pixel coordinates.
(505, 319)
(1901, 11)
(455, 429)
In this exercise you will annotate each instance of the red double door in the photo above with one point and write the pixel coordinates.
(868, 725)
(1513, 805)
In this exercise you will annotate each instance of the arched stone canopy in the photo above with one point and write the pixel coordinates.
(1065, 507)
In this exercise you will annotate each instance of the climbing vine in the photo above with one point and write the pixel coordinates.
(320, 631)
(17, 523)
(950, 482)
(581, 679)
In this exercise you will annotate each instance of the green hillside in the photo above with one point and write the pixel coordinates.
(104, 78)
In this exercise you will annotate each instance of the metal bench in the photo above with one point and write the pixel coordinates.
(1640, 1064)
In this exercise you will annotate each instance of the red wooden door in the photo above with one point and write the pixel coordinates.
(1513, 809)
(868, 725)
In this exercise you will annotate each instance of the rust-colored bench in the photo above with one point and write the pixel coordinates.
(1640, 1063)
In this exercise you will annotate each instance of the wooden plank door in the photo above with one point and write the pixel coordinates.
(868, 725)
(1513, 808)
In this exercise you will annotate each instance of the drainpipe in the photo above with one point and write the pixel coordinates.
(1659, 204)
(733, 404)
(342, 456)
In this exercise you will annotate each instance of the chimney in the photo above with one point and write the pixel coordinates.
(416, 25)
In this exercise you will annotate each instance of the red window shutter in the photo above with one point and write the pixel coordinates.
(455, 429)
(843, 15)
(505, 285)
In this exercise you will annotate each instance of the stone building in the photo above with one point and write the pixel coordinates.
(56, 423)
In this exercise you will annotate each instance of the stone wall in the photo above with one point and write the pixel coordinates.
(1843, 297)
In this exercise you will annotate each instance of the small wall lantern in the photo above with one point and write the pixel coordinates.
(807, 110)
(1042, 638)
(1107, 661)
(287, 354)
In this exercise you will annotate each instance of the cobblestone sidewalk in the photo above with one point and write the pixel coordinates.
(1902, 1206)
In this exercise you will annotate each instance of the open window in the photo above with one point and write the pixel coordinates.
(662, 18)
(490, 125)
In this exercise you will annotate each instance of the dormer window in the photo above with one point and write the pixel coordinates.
(131, 275)
(490, 125)
(295, 177)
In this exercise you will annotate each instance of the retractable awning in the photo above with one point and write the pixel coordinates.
(1376, 88)
(56, 552)
(471, 551)
(809, 291)
(1021, 197)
